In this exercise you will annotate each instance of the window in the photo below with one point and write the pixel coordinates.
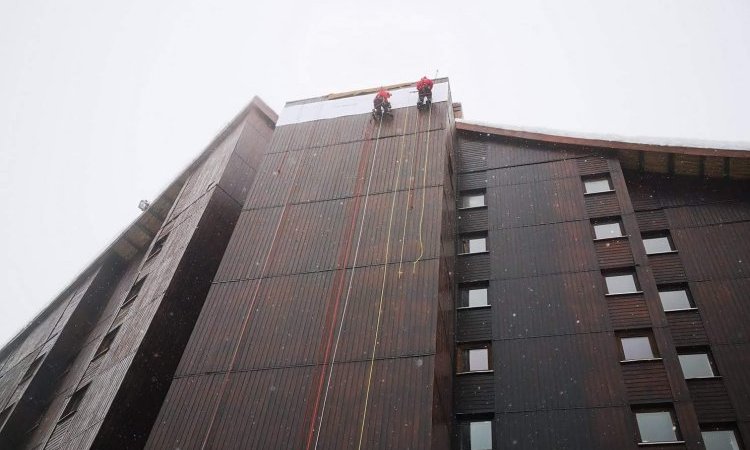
(158, 245)
(32, 369)
(475, 243)
(696, 364)
(675, 298)
(656, 425)
(474, 358)
(106, 343)
(716, 438)
(472, 296)
(621, 283)
(133, 293)
(597, 184)
(655, 244)
(636, 347)
(476, 435)
(75, 401)
(472, 199)
(607, 229)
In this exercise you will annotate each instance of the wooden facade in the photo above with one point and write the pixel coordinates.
(308, 286)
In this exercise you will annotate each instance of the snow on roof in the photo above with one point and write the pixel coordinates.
(657, 141)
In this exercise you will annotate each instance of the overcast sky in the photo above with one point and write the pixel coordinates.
(102, 103)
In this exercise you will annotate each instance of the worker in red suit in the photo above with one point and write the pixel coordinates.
(424, 87)
(381, 105)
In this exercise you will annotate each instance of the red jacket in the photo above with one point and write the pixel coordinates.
(424, 83)
(383, 94)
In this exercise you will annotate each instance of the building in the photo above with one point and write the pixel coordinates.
(325, 280)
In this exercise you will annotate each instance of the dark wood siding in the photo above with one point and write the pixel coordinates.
(646, 381)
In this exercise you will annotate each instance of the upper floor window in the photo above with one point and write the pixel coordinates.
(621, 283)
(74, 402)
(637, 346)
(473, 199)
(658, 243)
(474, 243)
(606, 229)
(597, 184)
(474, 357)
(656, 425)
(476, 435)
(675, 298)
(696, 364)
(32, 368)
(158, 245)
(134, 291)
(106, 343)
(720, 438)
(473, 295)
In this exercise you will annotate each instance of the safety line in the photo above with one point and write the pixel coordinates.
(382, 288)
(349, 288)
(339, 283)
(407, 207)
(253, 299)
(424, 189)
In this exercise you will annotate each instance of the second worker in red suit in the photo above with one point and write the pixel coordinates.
(381, 105)
(424, 87)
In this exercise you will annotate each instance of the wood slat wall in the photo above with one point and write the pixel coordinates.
(312, 188)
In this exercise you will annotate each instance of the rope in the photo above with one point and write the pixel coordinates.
(382, 288)
(349, 288)
(253, 299)
(424, 188)
(407, 207)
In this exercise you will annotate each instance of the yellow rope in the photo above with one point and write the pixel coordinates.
(382, 288)
(424, 189)
(406, 216)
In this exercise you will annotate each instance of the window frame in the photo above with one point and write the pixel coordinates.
(650, 409)
(134, 292)
(463, 358)
(32, 369)
(683, 351)
(594, 178)
(731, 427)
(465, 244)
(621, 272)
(655, 355)
(664, 234)
(675, 288)
(608, 221)
(107, 340)
(157, 247)
(464, 290)
(73, 403)
(472, 193)
(465, 431)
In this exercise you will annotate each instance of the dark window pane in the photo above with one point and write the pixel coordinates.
(480, 435)
(620, 284)
(696, 365)
(636, 348)
(656, 426)
(595, 185)
(677, 299)
(607, 230)
(657, 245)
(720, 440)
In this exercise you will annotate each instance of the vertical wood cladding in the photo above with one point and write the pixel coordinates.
(305, 277)
(709, 221)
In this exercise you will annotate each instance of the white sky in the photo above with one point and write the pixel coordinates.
(103, 103)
